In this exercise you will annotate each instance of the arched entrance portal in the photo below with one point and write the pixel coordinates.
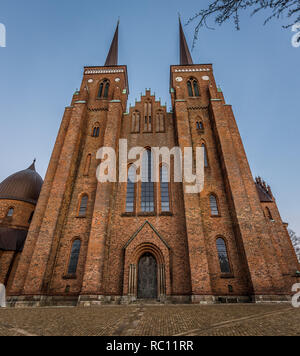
(147, 277)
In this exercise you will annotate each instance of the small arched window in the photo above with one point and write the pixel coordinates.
(205, 156)
(193, 87)
(87, 165)
(164, 189)
(74, 257)
(214, 209)
(223, 256)
(10, 212)
(96, 130)
(269, 214)
(30, 218)
(83, 205)
(200, 125)
(103, 89)
(147, 193)
(130, 197)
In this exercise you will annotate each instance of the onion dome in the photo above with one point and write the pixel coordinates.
(24, 186)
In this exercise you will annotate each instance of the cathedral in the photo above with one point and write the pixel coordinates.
(73, 240)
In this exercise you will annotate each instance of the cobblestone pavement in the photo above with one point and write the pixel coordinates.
(153, 320)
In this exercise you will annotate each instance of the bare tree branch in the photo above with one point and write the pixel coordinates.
(225, 10)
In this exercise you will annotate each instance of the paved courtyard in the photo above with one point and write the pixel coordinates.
(153, 320)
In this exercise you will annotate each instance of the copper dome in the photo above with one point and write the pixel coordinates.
(25, 186)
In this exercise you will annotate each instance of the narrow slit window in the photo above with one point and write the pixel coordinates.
(164, 189)
(205, 156)
(83, 206)
(130, 197)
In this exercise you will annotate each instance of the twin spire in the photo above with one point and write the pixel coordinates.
(185, 54)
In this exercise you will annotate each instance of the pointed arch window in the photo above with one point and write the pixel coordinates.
(164, 189)
(74, 257)
(193, 87)
(147, 193)
(190, 89)
(87, 165)
(148, 117)
(205, 156)
(223, 256)
(83, 205)
(214, 209)
(130, 196)
(10, 212)
(104, 89)
(136, 119)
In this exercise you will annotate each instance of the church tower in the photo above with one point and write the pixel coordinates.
(93, 243)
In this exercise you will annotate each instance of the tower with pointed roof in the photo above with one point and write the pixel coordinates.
(19, 194)
(91, 243)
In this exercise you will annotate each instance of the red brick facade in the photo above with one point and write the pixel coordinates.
(183, 241)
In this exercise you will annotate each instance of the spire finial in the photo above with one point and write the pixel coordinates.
(32, 166)
(185, 55)
(112, 57)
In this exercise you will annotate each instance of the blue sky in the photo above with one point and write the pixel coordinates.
(49, 42)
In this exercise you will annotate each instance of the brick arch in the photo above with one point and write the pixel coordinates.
(146, 240)
(147, 248)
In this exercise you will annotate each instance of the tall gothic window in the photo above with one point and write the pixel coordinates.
(74, 257)
(164, 189)
(130, 197)
(214, 209)
(103, 89)
(190, 88)
(223, 256)
(147, 193)
(10, 212)
(205, 156)
(83, 205)
(148, 117)
(193, 87)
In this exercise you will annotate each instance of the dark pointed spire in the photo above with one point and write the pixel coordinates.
(112, 58)
(185, 55)
(32, 167)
